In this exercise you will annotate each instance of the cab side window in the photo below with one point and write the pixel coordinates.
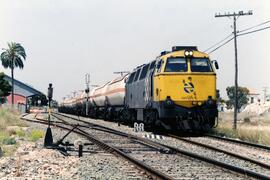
(144, 71)
(159, 65)
(131, 77)
(137, 75)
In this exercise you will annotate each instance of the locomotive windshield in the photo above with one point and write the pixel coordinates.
(200, 65)
(176, 64)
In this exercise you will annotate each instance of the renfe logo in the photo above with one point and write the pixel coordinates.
(188, 87)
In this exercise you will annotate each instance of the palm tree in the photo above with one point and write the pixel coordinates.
(11, 58)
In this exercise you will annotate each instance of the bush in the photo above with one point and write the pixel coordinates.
(9, 141)
(9, 117)
(3, 135)
(246, 120)
(20, 133)
(36, 135)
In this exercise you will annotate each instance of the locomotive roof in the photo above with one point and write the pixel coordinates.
(196, 53)
(119, 79)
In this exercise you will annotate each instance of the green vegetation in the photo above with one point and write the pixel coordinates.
(9, 117)
(20, 133)
(242, 93)
(5, 88)
(12, 128)
(247, 131)
(9, 141)
(13, 57)
(36, 135)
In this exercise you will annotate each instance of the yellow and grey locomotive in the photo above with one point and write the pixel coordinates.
(175, 91)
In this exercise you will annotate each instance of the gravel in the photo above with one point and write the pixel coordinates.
(33, 161)
(174, 165)
(251, 152)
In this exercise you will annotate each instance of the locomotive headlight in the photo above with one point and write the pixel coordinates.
(188, 53)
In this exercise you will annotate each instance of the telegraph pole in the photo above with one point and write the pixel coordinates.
(235, 17)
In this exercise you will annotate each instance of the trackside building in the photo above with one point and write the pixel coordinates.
(22, 94)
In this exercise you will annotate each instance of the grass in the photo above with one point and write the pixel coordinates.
(36, 135)
(247, 131)
(20, 133)
(10, 117)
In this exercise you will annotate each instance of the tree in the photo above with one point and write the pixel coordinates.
(5, 88)
(13, 57)
(242, 93)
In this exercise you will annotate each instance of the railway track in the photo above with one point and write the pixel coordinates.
(78, 130)
(226, 156)
(260, 146)
(239, 156)
(154, 148)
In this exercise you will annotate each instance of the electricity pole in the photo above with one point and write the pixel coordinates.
(235, 17)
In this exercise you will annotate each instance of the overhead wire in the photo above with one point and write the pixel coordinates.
(218, 42)
(238, 34)
(221, 45)
(254, 26)
(261, 29)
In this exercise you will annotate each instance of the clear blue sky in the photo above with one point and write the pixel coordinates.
(65, 39)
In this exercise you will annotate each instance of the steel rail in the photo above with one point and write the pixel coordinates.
(133, 138)
(183, 152)
(155, 174)
(222, 151)
(260, 146)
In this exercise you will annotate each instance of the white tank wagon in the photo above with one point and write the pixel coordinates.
(91, 95)
(67, 106)
(109, 99)
(110, 94)
(81, 98)
(98, 95)
(72, 104)
(115, 92)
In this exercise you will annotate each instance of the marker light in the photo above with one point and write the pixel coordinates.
(188, 53)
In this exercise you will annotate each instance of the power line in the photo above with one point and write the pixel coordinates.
(218, 42)
(237, 35)
(241, 34)
(221, 45)
(254, 26)
(261, 29)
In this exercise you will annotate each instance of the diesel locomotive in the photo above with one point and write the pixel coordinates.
(176, 91)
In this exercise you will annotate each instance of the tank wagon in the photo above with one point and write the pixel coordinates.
(108, 101)
(177, 91)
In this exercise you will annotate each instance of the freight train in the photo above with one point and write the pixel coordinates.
(176, 91)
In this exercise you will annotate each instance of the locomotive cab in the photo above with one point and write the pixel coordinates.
(185, 88)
